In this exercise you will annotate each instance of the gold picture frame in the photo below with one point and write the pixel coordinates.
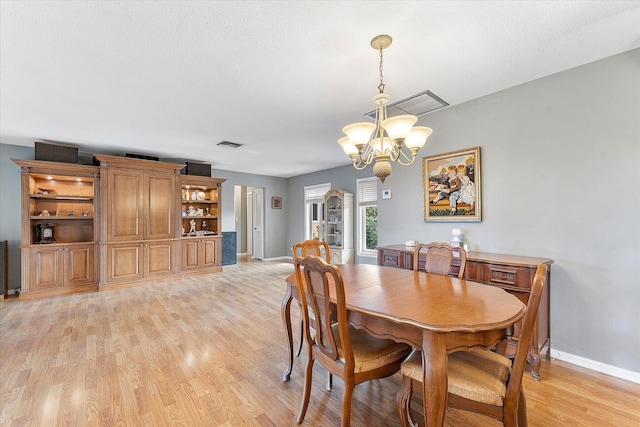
(452, 186)
(276, 203)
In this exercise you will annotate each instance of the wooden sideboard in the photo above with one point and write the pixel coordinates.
(512, 273)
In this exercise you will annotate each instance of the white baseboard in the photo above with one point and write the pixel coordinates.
(597, 366)
(276, 258)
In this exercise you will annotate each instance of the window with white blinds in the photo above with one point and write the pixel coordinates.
(316, 191)
(367, 191)
(367, 233)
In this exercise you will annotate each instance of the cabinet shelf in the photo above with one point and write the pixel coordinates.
(200, 217)
(203, 202)
(62, 197)
(63, 218)
(62, 243)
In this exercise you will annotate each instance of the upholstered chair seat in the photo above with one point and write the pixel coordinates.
(477, 375)
(370, 353)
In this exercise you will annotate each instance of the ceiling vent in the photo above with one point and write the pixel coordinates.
(417, 105)
(229, 144)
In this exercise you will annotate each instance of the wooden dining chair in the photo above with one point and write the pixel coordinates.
(350, 353)
(439, 258)
(304, 249)
(480, 380)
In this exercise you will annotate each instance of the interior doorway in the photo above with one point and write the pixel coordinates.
(249, 219)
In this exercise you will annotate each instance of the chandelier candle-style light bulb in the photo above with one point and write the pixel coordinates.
(389, 138)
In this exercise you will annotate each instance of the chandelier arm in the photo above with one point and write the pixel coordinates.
(410, 160)
(367, 156)
(359, 165)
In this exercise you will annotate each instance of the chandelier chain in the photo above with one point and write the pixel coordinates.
(381, 85)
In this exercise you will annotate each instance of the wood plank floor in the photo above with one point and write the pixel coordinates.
(210, 351)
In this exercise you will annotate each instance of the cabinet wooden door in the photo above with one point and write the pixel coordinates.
(124, 262)
(190, 254)
(160, 258)
(57, 266)
(129, 262)
(124, 204)
(79, 265)
(141, 205)
(46, 270)
(159, 206)
(212, 252)
(201, 253)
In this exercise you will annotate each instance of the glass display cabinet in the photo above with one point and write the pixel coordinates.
(338, 230)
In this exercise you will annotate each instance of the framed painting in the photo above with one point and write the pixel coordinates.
(452, 186)
(276, 203)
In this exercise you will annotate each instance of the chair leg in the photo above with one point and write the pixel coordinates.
(301, 337)
(306, 392)
(329, 381)
(403, 401)
(301, 331)
(346, 401)
(522, 410)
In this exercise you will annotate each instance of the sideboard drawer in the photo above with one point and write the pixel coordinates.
(507, 276)
(392, 259)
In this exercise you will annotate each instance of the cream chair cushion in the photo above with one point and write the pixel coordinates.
(369, 352)
(477, 375)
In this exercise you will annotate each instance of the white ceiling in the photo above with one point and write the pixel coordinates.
(174, 78)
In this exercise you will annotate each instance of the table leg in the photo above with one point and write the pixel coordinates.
(534, 359)
(286, 323)
(434, 362)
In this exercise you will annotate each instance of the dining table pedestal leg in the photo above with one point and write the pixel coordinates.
(434, 362)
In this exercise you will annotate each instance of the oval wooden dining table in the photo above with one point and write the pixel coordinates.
(435, 314)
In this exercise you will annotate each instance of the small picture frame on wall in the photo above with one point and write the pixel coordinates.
(452, 187)
(276, 203)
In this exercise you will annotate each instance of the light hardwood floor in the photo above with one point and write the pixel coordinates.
(210, 351)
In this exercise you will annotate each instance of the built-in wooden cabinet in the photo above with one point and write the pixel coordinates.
(338, 230)
(59, 227)
(140, 228)
(201, 225)
(127, 221)
(512, 273)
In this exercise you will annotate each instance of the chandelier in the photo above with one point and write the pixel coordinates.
(389, 139)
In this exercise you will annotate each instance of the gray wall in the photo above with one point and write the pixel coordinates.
(275, 237)
(10, 205)
(559, 180)
(559, 167)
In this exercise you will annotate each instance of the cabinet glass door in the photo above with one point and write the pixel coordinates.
(334, 221)
(316, 221)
